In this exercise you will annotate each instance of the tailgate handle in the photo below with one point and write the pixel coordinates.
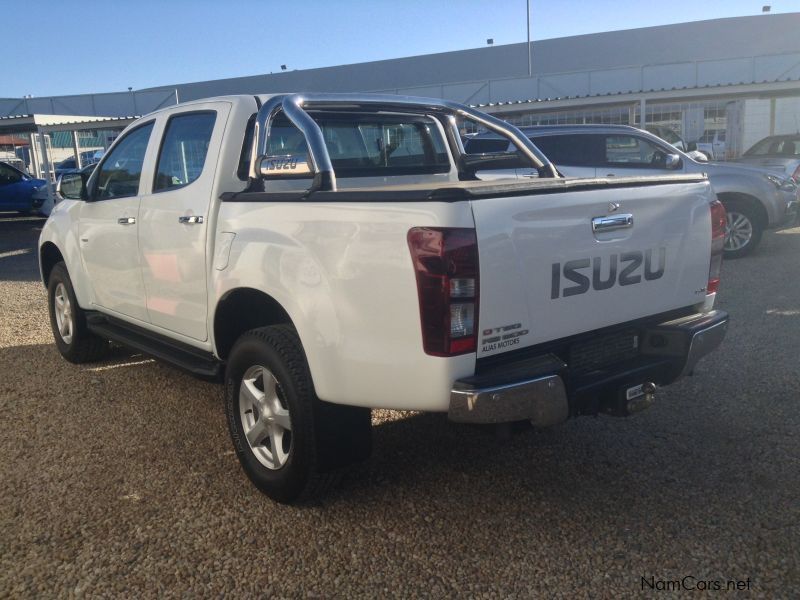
(612, 223)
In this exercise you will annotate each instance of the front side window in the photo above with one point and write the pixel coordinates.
(183, 150)
(9, 175)
(634, 152)
(120, 173)
(369, 145)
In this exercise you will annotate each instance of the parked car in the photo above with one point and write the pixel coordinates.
(69, 165)
(778, 153)
(43, 204)
(755, 200)
(17, 189)
(323, 258)
(712, 144)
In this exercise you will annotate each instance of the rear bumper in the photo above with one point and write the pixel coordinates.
(543, 389)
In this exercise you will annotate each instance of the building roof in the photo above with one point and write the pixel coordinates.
(700, 55)
(37, 123)
(711, 40)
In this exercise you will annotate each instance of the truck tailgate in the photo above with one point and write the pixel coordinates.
(546, 273)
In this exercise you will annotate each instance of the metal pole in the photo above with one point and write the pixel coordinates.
(528, 15)
(36, 168)
(76, 149)
(46, 167)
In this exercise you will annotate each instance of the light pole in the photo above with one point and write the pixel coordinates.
(528, 15)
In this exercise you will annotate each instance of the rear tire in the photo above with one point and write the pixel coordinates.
(68, 321)
(743, 229)
(290, 444)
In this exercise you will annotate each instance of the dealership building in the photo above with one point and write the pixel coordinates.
(725, 81)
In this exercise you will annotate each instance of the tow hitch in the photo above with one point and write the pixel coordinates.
(632, 399)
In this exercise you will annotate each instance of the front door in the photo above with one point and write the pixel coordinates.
(109, 224)
(175, 220)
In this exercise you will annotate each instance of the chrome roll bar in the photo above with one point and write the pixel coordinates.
(294, 107)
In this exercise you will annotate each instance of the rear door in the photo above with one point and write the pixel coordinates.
(546, 274)
(175, 218)
(575, 155)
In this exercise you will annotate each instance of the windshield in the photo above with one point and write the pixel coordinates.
(776, 147)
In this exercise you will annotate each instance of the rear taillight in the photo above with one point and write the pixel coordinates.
(446, 264)
(717, 245)
(796, 175)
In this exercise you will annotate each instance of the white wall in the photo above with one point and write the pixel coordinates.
(787, 115)
(755, 124)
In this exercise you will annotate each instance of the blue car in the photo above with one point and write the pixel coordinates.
(17, 190)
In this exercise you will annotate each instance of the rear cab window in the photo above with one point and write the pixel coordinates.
(368, 145)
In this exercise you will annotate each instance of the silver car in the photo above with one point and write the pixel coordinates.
(755, 199)
(778, 153)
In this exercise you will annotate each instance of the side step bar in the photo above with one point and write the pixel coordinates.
(193, 360)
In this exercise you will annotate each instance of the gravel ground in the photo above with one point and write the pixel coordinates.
(119, 478)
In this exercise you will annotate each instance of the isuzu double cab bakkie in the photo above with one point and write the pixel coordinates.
(329, 254)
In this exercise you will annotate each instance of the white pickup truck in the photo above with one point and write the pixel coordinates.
(328, 254)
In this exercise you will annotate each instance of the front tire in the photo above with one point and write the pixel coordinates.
(68, 321)
(290, 444)
(743, 229)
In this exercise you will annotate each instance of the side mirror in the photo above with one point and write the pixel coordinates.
(697, 156)
(72, 186)
(286, 166)
(672, 162)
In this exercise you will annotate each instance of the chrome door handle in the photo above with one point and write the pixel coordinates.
(190, 219)
(127, 220)
(612, 223)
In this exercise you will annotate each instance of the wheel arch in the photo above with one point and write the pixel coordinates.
(49, 257)
(760, 210)
(240, 310)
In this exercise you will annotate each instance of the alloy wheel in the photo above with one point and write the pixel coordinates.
(265, 417)
(63, 312)
(738, 231)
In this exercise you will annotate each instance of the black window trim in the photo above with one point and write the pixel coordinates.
(243, 168)
(208, 111)
(92, 196)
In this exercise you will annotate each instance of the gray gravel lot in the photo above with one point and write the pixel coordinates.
(119, 477)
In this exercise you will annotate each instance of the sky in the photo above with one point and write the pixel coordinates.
(85, 46)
